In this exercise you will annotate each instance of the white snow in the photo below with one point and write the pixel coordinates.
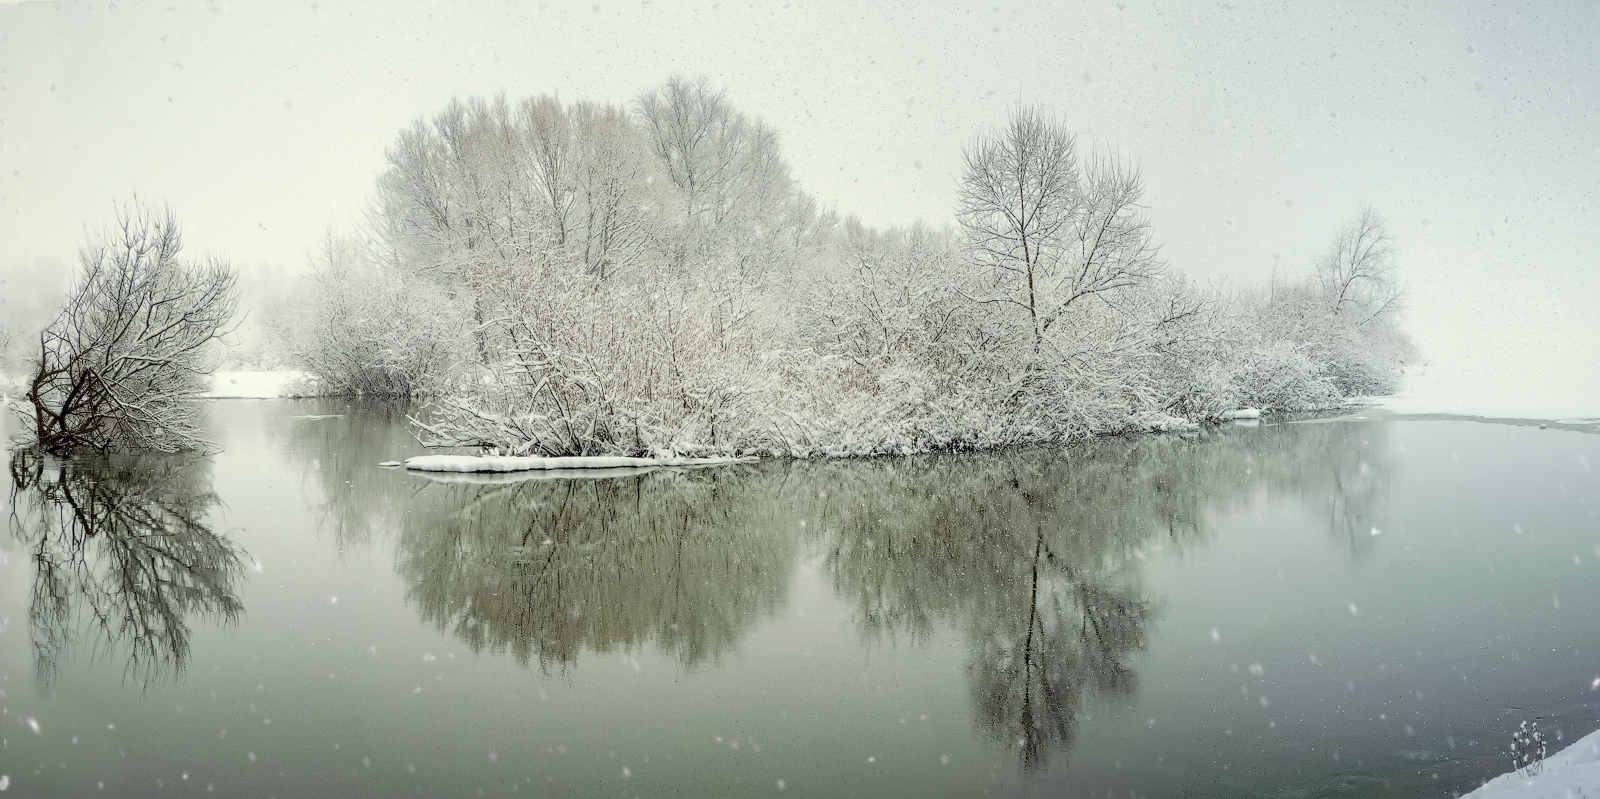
(506, 463)
(1247, 413)
(1499, 390)
(496, 478)
(1572, 772)
(258, 385)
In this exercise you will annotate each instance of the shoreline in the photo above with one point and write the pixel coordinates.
(1573, 771)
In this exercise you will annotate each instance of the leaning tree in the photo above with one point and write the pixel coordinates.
(120, 366)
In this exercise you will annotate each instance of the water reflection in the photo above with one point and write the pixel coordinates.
(1028, 553)
(1035, 554)
(336, 444)
(1034, 557)
(546, 568)
(124, 560)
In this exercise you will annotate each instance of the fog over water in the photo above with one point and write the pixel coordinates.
(1259, 132)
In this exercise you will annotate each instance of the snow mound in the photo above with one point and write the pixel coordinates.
(1572, 772)
(258, 385)
(477, 464)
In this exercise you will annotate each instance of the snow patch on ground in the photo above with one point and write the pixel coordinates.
(474, 464)
(259, 385)
(1572, 772)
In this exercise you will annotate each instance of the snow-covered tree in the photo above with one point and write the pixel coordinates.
(739, 200)
(1054, 233)
(1357, 274)
(569, 279)
(624, 202)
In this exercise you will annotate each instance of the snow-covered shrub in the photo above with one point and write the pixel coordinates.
(1527, 750)
(360, 329)
(1294, 350)
(582, 366)
(1280, 377)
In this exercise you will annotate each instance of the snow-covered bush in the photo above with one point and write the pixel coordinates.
(1527, 750)
(583, 366)
(1280, 377)
(363, 330)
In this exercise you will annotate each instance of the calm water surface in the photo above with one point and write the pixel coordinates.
(1324, 609)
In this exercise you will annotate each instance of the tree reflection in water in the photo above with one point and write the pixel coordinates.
(334, 444)
(123, 558)
(545, 568)
(1035, 554)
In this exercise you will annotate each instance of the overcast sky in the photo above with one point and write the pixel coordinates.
(1260, 128)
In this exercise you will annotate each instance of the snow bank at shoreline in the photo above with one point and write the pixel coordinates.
(1574, 771)
(503, 478)
(1508, 393)
(479, 464)
(258, 385)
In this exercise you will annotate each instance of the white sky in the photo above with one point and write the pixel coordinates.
(1260, 127)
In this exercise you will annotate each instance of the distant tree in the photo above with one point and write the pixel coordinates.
(550, 152)
(120, 365)
(738, 197)
(1052, 232)
(31, 292)
(363, 331)
(622, 191)
(1358, 272)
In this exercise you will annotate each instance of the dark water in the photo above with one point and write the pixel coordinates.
(1303, 610)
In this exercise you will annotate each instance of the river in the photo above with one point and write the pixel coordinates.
(1308, 609)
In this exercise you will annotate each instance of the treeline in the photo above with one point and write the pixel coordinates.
(585, 278)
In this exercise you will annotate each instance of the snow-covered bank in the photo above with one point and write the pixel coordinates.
(478, 464)
(500, 478)
(259, 385)
(1572, 772)
(1498, 391)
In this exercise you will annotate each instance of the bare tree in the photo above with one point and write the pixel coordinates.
(1358, 272)
(122, 362)
(1051, 232)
